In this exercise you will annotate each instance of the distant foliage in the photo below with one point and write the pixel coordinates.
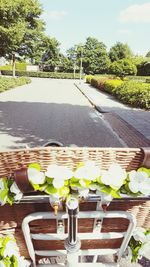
(119, 51)
(95, 57)
(143, 69)
(41, 74)
(123, 67)
(148, 54)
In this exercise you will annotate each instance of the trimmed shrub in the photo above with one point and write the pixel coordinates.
(99, 82)
(41, 74)
(6, 67)
(111, 86)
(88, 78)
(135, 93)
(8, 83)
(19, 67)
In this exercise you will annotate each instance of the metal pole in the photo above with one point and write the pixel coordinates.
(72, 243)
(74, 70)
(81, 65)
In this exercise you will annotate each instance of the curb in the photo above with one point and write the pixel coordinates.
(123, 129)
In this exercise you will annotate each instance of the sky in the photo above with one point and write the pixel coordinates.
(110, 21)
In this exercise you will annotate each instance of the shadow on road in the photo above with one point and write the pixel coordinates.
(34, 123)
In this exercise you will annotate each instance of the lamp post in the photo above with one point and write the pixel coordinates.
(81, 61)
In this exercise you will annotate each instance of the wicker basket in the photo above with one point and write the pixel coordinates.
(129, 159)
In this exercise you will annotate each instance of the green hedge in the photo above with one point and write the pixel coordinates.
(8, 83)
(20, 66)
(138, 78)
(131, 92)
(88, 78)
(111, 86)
(134, 93)
(41, 74)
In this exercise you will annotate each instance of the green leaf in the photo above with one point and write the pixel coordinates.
(35, 166)
(50, 189)
(3, 194)
(143, 169)
(84, 183)
(81, 164)
(14, 261)
(75, 184)
(108, 190)
(98, 180)
(74, 180)
(35, 186)
(49, 180)
(10, 182)
(64, 191)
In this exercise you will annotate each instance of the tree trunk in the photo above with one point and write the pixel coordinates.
(13, 65)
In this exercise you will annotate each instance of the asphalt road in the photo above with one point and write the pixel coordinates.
(51, 109)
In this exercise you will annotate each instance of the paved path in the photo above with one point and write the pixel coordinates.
(138, 119)
(31, 114)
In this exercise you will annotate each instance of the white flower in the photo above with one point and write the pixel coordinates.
(139, 182)
(2, 187)
(93, 187)
(59, 175)
(145, 249)
(35, 176)
(148, 238)
(89, 171)
(114, 177)
(22, 262)
(83, 192)
(11, 249)
(2, 264)
(139, 234)
(14, 189)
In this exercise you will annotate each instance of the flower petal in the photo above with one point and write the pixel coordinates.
(58, 183)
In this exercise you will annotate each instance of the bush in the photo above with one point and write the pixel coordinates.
(41, 74)
(123, 67)
(99, 82)
(135, 93)
(111, 86)
(8, 83)
(6, 67)
(143, 69)
(19, 66)
(88, 78)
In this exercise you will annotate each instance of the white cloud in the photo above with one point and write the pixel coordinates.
(136, 13)
(54, 15)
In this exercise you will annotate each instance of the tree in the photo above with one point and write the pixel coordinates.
(51, 56)
(95, 57)
(148, 54)
(21, 28)
(119, 51)
(123, 67)
(144, 69)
